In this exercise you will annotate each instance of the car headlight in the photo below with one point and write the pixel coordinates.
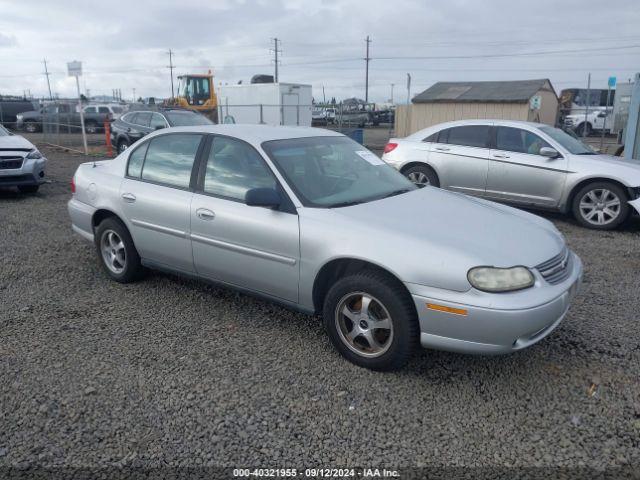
(492, 279)
(34, 155)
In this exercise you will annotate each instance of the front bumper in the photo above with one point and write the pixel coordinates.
(498, 323)
(31, 172)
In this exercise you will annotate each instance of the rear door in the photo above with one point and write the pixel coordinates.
(519, 174)
(254, 248)
(460, 156)
(156, 197)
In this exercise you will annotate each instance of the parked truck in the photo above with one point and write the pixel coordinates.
(594, 121)
(62, 116)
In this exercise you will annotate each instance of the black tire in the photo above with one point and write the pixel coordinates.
(91, 127)
(581, 214)
(31, 127)
(391, 294)
(132, 269)
(28, 188)
(418, 172)
(581, 127)
(123, 144)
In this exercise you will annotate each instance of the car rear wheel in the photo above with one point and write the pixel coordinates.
(30, 126)
(601, 206)
(28, 188)
(582, 127)
(117, 253)
(422, 176)
(371, 320)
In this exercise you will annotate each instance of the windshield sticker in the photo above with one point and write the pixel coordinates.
(369, 157)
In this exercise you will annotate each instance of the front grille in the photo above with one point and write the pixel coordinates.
(9, 163)
(557, 269)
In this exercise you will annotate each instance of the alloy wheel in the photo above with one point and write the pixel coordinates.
(600, 206)
(122, 147)
(419, 178)
(113, 251)
(364, 324)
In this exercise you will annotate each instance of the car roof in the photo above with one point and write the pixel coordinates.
(255, 134)
(479, 121)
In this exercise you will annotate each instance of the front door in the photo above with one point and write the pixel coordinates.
(156, 198)
(460, 155)
(254, 248)
(519, 174)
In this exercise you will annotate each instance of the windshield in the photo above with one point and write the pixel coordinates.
(573, 145)
(186, 119)
(334, 171)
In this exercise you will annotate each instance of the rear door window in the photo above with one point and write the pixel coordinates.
(468, 136)
(169, 159)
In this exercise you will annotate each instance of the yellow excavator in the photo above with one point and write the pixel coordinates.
(196, 92)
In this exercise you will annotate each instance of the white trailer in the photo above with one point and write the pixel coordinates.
(266, 103)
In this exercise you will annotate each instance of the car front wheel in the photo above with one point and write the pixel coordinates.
(601, 206)
(371, 320)
(122, 146)
(116, 251)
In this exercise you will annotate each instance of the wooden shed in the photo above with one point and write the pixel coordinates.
(528, 100)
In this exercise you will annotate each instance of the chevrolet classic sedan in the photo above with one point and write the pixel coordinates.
(310, 219)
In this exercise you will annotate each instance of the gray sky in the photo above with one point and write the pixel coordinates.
(123, 44)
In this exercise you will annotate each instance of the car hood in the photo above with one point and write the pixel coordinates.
(15, 142)
(433, 237)
(626, 171)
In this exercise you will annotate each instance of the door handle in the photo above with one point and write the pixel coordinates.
(443, 149)
(500, 155)
(129, 197)
(205, 214)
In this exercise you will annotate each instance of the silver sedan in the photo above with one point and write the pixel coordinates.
(523, 164)
(312, 220)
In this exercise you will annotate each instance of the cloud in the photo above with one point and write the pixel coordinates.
(7, 40)
(322, 42)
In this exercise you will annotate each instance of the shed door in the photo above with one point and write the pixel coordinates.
(290, 112)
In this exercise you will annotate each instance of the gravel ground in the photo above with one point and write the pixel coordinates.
(176, 372)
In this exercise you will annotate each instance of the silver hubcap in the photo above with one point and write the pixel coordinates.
(419, 178)
(600, 206)
(364, 324)
(123, 147)
(113, 252)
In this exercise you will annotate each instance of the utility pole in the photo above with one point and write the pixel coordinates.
(392, 85)
(46, 74)
(366, 77)
(134, 95)
(171, 67)
(586, 107)
(276, 51)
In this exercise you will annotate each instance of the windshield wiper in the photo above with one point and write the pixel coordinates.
(346, 204)
(587, 153)
(397, 192)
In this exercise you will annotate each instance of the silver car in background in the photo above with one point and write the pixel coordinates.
(523, 164)
(21, 164)
(312, 220)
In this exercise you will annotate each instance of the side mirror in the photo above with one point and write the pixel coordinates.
(159, 127)
(549, 152)
(262, 197)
